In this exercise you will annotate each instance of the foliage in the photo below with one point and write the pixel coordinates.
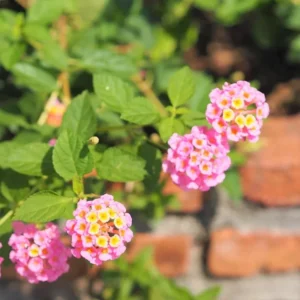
(117, 67)
(140, 280)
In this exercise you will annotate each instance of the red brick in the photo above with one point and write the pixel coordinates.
(271, 175)
(189, 201)
(239, 254)
(171, 253)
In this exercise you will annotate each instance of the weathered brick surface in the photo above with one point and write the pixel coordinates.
(271, 176)
(233, 253)
(171, 253)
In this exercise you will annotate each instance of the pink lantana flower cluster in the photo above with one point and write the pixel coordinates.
(100, 229)
(237, 110)
(197, 160)
(1, 260)
(38, 255)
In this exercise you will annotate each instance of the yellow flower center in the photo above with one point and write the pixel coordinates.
(112, 213)
(103, 216)
(118, 222)
(115, 241)
(240, 121)
(34, 251)
(94, 228)
(250, 121)
(91, 217)
(102, 241)
(237, 103)
(228, 115)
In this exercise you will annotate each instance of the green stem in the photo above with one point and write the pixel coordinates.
(146, 89)
(91, 195)
(158, 146)
(119, 127)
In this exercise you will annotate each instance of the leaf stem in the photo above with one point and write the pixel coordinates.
(90, 195)
(146, 89)
(119, 127)
(61, 27)
(158, 146)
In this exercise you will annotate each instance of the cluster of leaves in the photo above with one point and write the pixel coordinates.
(140, 280)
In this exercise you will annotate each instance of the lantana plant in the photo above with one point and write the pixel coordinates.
(86, 115)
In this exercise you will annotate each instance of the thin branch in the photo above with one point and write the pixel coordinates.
(146, 89)
(62, 29)
(120, 127)
(158, 146)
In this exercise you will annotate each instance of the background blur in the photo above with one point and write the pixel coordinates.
(244, 236)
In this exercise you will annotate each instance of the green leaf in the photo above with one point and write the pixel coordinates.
(31, 159)
(9, 119)
(12, 55)
(140, 111)
(181, 86)
(38, 33)
(45, 11)
(164, 47)
(5, 149)
(200, 99)
(27, 137)
(34, 77)
(153, 157)
(232, 184)
(71, 156)
(42, 207)
(89, 10)
(80, 117)
(5, 223)
(209, 294)
(5, 250)
(194, 118)
(206, 4)
(31, 105)
(105, 61)
(169, 126)
(14, 186)
(113, 91)
(292, 20)
(237, 158)
(120, 166)
(52, 54)
(68, 214)
(294, 49)
(77, 184)
(7, 21)
(109, 118)
(126, 285)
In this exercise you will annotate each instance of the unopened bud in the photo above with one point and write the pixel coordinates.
(94, 140)
(155, 138)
